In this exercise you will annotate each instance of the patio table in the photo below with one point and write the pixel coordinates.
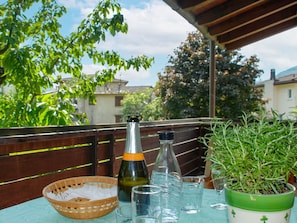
(40, 211)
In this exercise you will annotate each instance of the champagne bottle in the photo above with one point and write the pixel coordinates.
(133, 169)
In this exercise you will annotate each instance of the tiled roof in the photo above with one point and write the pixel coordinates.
(133, 89)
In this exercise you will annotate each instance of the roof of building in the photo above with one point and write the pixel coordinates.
(133, 89)
(115, 80)
(288, 72)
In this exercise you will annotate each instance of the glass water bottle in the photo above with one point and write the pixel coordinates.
(133, 170)
(167, 175)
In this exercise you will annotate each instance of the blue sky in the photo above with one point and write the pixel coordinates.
(156, 30)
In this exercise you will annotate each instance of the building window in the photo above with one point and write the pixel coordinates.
(118, 118)
(118, 100)
(290, 93)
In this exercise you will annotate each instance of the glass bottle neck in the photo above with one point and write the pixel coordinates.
(133, 143)
(166, 144)
(166, 150)
(167, 158)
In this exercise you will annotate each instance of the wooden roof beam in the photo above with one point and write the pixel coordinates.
(259, 12)
(235, 23)
(259, 25)
(223, 10)
(261, 35)
(198, 6)
(187, 4)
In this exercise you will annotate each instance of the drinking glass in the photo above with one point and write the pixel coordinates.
(123, 213)
(192, 194)
(146, 204)
(218, 183)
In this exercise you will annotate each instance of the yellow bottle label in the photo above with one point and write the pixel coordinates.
(133, 156)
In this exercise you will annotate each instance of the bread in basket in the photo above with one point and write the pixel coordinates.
(84, 197)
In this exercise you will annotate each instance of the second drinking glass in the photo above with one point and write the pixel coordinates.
(146, 204)
(218, 183)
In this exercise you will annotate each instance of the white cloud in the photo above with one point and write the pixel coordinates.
(277, 52)
(79, 4)
(153, 29)
(156, 30)
(91, 68)
(133, 75)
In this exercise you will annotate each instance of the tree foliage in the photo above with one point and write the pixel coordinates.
(184, 86)
(144, 103)
(35, 55)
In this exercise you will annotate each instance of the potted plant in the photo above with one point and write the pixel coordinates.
(256, 157)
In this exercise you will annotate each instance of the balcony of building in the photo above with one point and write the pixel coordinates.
(31, 158)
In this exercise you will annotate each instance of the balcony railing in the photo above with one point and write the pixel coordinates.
(31, 158)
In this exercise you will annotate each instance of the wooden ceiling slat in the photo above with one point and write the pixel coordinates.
(258, 12)
(235, 23)
(222, 11)
(206, 5)
(262, 35)
(259, 25)
(187, 4)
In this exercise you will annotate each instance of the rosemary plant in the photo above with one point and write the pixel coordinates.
(254, 156)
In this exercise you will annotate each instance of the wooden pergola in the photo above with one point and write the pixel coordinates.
(232, 24)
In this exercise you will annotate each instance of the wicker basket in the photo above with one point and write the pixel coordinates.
(80, 207)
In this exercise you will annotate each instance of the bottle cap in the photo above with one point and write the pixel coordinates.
(133, 118)
(166, 135)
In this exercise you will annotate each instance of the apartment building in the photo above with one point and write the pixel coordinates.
(108, 108)
(280, 91)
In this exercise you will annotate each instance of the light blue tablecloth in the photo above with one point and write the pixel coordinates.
(40, 211)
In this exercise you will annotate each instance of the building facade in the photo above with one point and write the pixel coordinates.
(108, 108)
(280, 92)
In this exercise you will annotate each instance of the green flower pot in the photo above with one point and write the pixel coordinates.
(257, 208)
